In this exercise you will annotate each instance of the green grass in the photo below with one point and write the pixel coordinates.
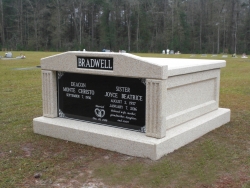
(221, 158)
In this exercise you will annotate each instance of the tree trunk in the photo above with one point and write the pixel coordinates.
(2, 23)
(165, 35)
(36, 30)
(231, 26)
(236, 25)
(138, 27)
(200, 32)
(92, 26)
(21, 22)
(80, 20)
(59, 25)
(218, 42)
(128, 25)
(172, 14)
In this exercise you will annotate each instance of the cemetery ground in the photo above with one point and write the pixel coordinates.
(219, 159)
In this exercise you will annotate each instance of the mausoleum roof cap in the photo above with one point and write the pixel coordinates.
(129, 65)
(124, 65)
(177, 66)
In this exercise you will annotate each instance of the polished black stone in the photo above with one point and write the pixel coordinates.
(114, 101)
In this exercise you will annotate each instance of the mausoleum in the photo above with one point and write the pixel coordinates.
(145, 107)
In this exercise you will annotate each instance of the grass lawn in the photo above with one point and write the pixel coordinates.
(221, 158)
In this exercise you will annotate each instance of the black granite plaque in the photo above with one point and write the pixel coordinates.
(114, 101)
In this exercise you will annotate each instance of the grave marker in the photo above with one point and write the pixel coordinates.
(114, 101)
(144, 107)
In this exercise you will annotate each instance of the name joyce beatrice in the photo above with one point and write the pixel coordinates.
(95, 63)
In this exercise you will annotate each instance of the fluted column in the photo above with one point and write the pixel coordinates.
(49, 93)
(156, 108)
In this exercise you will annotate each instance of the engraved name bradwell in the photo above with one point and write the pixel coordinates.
(95, 63)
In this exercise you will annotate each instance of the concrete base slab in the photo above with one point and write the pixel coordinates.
(130, 142)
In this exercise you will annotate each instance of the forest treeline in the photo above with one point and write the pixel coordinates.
(188, 26)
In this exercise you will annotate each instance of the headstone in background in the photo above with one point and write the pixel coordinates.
(8, 55)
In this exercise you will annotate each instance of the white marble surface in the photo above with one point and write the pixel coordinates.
(125, 65)
(130, 142)
(184, 66)
(182, 103)
(130, 65)
(191, 95)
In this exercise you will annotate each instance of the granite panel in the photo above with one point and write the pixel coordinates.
(180, 66)
(49, 93)
(189, 131)
(191, 95)
(126, 65)
(129, 142)
(155, 108)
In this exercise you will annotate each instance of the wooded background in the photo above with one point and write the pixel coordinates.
(188, 26)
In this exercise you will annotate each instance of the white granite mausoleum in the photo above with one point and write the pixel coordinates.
(182, 103)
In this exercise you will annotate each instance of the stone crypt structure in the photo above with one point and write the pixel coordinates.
(145, 107)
